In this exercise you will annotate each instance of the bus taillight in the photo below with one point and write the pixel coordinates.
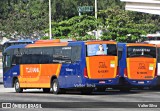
(125, 72)
(155, 72)
(117, 71)
(85, 73)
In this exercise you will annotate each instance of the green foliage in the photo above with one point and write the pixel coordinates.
(77, 26)
(28, 16)
(124, 27)
(45, 38)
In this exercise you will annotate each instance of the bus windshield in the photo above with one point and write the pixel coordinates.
(141, 51)
(101, 49)
(7, 44)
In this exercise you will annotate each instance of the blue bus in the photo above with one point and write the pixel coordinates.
(58, 67)
(137, 65)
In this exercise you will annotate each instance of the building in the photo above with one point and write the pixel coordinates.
(146, 6)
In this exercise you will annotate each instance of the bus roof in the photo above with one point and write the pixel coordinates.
(158, 45)
(18, 41)
(42, 45)
(53, 41)
(153, 42)
(140, 44)
(47, 41)
(47, 44)
(100, 42)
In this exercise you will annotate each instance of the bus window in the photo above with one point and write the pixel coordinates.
(76, 53)
(7, 61)
(62, 54)
(101, 49)
(139, 51)
(120, 50)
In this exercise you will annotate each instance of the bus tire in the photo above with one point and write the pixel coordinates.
(55, 86)
(46, 90)
(17, 87)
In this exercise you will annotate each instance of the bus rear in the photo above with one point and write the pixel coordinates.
(101, 64)
(140, 65)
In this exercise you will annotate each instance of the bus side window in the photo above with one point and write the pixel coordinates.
(76, 53)
(7, 61)
(120, 51)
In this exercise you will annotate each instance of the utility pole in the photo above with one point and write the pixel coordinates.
(96, 17)
(50, 30)
(96, 9)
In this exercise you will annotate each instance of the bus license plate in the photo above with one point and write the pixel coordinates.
(102, 82)
(140, 82)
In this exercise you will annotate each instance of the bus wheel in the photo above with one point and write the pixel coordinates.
(46, 90)
(17, 86)
(55, 87)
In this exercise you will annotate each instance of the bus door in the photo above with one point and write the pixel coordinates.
(141, 62)
(6, 71)
(101, 61)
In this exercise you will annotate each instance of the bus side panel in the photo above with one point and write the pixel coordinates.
(122, 59)
(38, 75)
(9, 75)
(71, 75)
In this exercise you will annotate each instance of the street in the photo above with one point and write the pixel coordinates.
(36, 95)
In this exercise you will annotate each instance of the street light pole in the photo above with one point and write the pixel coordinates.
(96, 17)
(50, 31)
(96, 9)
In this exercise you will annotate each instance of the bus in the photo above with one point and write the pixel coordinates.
(153, 37)
(58, 67)
(137, 65)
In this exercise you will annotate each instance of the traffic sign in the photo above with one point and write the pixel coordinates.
(85, 8)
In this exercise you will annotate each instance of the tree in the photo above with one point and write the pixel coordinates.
(124, 25)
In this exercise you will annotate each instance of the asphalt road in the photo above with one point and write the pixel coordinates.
(35, 95)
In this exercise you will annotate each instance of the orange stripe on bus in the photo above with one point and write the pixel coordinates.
(36, 75)
(47, 45)
(100, 42)
(140, 44)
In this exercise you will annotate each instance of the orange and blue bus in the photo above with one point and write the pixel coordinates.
(137, 65)
(61, 66)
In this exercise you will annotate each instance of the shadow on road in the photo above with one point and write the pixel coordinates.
(93, 93)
